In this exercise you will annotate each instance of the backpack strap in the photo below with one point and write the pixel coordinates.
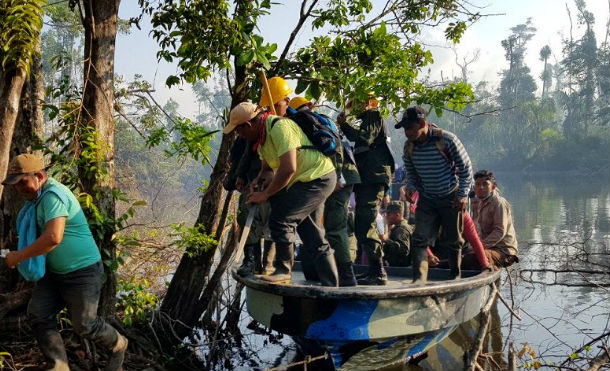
(276, 119)
(439, 142)
(409, 149)
(437, 133)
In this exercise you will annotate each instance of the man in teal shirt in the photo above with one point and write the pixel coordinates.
(74, 269)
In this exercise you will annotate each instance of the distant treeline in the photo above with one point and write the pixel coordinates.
(564, 128)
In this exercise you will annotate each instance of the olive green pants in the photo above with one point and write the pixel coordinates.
(335, 223)
(368, 202)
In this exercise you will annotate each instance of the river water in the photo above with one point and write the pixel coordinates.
(557, 219)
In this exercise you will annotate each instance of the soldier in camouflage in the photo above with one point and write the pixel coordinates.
(375, 165)
(397, 245)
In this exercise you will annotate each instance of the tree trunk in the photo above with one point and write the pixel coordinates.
(28, 132)
(181, 302)
(184, 301)
(11, 85)
(100, 24)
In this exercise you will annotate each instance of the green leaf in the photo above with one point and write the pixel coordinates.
(245, 58)
(301, 86)
(314, 90)
(272, 48)
(172, 80)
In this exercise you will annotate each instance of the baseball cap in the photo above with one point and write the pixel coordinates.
(411, 115)
(395, 207)
(245, 111)
(22, 165)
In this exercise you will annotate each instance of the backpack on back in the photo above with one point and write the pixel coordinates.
(319, 129)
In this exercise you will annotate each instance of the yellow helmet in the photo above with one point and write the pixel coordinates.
(373, 102)
(279, 90)
(297, 102)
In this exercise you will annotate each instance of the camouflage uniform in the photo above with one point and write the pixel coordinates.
(375, 165)
(397, 248)
(336, 216)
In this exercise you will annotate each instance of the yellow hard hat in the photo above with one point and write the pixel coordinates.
(373, 102)
(279, 90)
(297, 102)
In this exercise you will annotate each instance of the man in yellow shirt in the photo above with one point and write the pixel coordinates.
(302, 180)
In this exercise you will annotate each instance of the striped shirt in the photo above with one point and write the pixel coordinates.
(432, 174)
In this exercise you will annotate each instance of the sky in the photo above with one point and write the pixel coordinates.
(136, 52)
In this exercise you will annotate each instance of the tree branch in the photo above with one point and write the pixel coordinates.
(302, 18)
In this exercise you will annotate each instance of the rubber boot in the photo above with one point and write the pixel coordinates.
(420, 265)
(346, 275)
(258, 259)
(455, 261)
(284, 259)
(117, 354)
(326, 267)
(52, 347)
(308, 264)
(360, 253)
(247, 265)
(268, 257)
(377, 274)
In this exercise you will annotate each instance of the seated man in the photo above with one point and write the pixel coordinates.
(397, 245)
(494, 222)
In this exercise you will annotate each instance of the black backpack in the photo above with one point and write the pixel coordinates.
(320, 129)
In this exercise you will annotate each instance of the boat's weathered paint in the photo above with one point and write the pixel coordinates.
(401, 319)
(351, 320)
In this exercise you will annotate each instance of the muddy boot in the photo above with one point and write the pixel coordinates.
(268, 257)
(247, 265)
(327, 269)
(258, 259)
(346, 275)
(454, 260)
(284, 259)
(52, 346)
(308, 264)
(420, 265)
(377, 274)
(117, 354)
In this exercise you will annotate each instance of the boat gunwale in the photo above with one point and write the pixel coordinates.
(370, 292)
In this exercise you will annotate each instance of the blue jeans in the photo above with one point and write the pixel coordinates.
(79, 291)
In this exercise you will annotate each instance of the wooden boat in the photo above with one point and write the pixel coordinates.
(395, 323)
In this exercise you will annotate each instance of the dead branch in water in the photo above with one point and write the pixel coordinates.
(473, 355)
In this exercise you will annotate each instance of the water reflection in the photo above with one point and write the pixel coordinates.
(451, 352)
(562, 223)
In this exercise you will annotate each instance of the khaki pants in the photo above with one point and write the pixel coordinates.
(496, 256)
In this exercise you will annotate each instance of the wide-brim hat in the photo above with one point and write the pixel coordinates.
(243, 112)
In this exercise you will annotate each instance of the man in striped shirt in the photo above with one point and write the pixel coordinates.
(439, 168)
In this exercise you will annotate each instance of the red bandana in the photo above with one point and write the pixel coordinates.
(263, 131)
